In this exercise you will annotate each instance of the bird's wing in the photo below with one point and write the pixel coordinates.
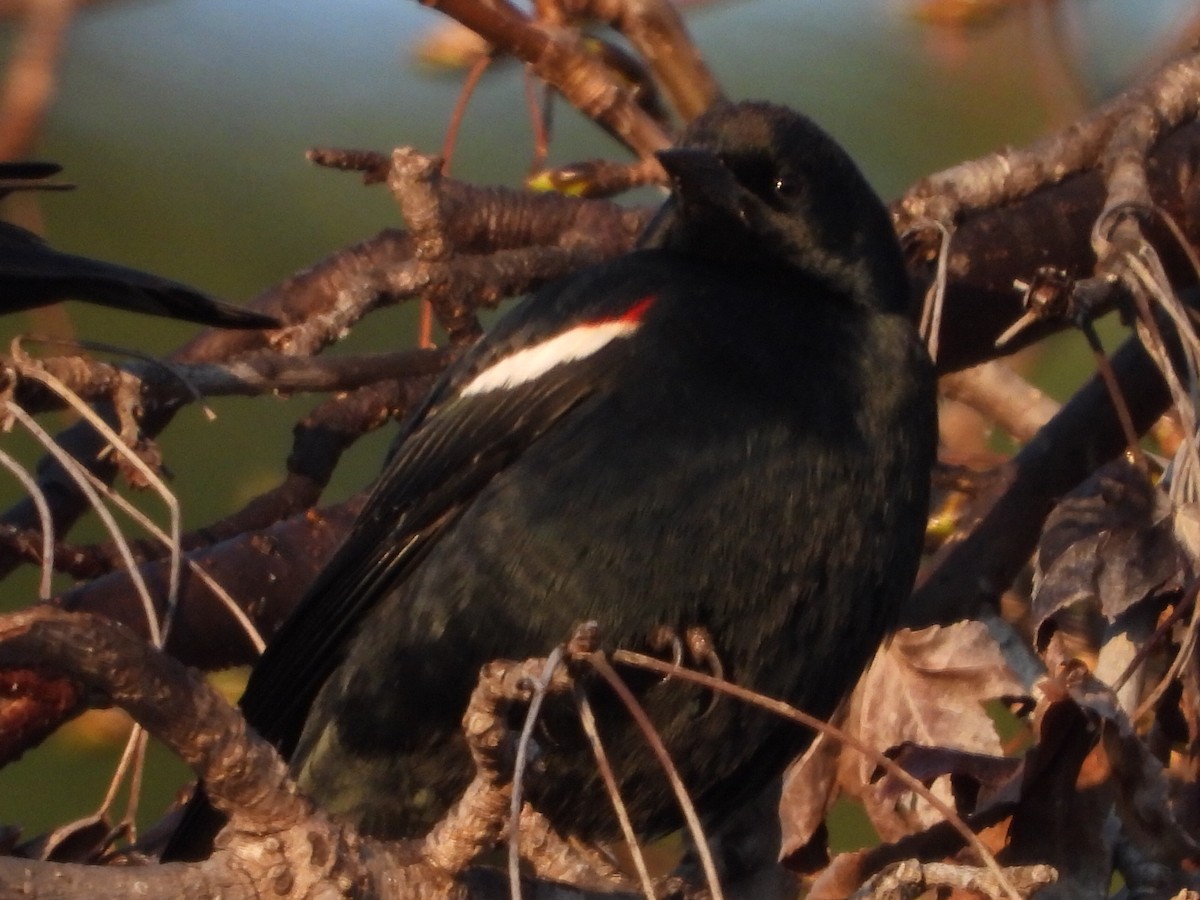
(32, 273)
(486, 411)
(434, 474)
(30, 176)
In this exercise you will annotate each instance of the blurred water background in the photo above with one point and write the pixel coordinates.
(184, 124)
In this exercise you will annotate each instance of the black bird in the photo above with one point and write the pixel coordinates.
(32, 273)
(729, 428)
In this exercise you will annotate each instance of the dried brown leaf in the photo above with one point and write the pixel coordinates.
(975, 778)
(809, 789)
(925, 687)
(1090, 782)
(1063, 817)
(928, 687)
(1142, 794)
(1110, 544)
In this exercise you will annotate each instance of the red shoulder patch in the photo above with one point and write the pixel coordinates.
(577, 342)
(635, 312)
(631, 316)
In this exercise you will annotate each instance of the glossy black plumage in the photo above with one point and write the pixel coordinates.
(750, 454)
(32, 273)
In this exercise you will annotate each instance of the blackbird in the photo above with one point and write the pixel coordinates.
(32, 273)
(730, 428)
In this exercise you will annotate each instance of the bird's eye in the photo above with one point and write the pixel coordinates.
(788, 188)
(762, 176)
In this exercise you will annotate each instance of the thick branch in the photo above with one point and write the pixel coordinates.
(1007, 175)
(249, 375)
(1052, 227)
(971, 574)
(175, 705)
(558, 58)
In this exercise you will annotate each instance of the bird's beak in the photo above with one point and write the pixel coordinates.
(700, 179)
(691, 168)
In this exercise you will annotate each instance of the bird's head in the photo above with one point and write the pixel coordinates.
(759, 184)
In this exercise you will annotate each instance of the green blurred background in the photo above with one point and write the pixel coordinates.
(184, 124)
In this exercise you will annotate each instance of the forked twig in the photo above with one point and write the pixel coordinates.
(72, 467)
(114, 441)
(588, 720)
(131, 764)
(84, 479)
(599, 662)
(787, 711)
(102, 347)
(173, 540)
(223, 596)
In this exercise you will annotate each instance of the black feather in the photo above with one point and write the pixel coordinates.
(751, 457)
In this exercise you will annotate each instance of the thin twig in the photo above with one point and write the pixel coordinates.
(1187, 603)
(114, 440)
(935, 297)
(1104, 367)
(460, 108)
(102, 347)
(587, 719)
(600, 663)
(541, 118)
(539, 686)
(787, 711)
(222, 595)
(78, 475)
(46, 580)
(132, 762)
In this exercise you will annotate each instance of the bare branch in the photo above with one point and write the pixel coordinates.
(558, 57)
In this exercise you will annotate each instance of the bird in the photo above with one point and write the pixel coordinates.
(729, 428)
(33, 274)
